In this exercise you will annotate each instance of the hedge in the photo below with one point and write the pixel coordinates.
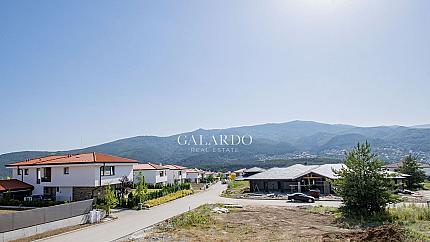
(167, 198)
(34, 203)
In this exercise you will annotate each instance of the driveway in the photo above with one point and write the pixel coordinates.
(130, 221)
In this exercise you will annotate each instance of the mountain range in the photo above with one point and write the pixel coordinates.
(273, 144)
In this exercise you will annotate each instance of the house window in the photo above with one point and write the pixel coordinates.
(26, 172)
(180, 173)
(66, 170)
(107, 170)
(161, 173)
(46, 174)
(38, 175)
(19, 171)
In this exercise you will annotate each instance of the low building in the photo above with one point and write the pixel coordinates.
(302, 178)
(151, 173)
(296, 178)
(15, 189)
(395, 166)
(175, 174)
(240, 172)
(73, 177)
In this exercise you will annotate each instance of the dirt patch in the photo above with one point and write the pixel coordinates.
(270, 223)
(385, 233)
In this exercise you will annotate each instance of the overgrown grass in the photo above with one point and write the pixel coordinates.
(426, 185)
(236, 187)
(200, 216)
(409, 214)
(320, 209)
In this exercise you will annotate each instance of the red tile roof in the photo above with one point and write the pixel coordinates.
(148, 166)
(13, 185)
(174, 167)
(73, 159)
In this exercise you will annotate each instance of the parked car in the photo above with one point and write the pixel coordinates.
(301, 197)
(404, 191)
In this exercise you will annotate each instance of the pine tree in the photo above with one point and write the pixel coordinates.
(411, 167)
(362, 184)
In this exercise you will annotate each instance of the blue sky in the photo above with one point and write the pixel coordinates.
(79, 73)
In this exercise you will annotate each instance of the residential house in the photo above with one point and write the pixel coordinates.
(240, 172)
(72, 177)
(194, 175)
(16, 189)
(175, 174)
(151, 173)
(252, 171)
(296, 178)
(302, 178)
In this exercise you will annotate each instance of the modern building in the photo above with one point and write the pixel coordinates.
(194, 175)
(302, 178)
(72, 177)
(151, 173)
(175, 174)
(295, 178)
(15, 189)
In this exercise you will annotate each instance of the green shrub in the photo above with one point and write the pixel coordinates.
(34, 203)
(167, 198)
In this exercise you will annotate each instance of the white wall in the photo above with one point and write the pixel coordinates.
(150, 176)
(173, 175)
(80, 175)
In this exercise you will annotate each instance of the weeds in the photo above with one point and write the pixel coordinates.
(198, 217)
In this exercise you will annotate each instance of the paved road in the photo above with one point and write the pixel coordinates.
(130, 221)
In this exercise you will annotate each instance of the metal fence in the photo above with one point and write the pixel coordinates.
(32, 217)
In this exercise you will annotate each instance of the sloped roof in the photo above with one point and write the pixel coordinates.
(194, 170)
(13, 185)
(327, 170)
(84, 158)
(254, 169)
(174, 167)
(296, 171)
(148, 166)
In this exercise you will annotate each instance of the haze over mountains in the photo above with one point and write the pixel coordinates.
(296, 140)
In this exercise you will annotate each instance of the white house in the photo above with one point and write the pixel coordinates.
(151, 173)
(175, 174)
(72, 177)
(194, 175)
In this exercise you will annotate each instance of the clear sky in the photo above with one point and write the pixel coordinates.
(79, 73)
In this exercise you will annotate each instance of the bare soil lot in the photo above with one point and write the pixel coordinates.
(263, 223)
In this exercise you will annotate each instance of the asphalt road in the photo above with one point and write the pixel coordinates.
(130, 221)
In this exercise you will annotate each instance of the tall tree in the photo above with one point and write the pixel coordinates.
(411, 167)
(362, 184)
